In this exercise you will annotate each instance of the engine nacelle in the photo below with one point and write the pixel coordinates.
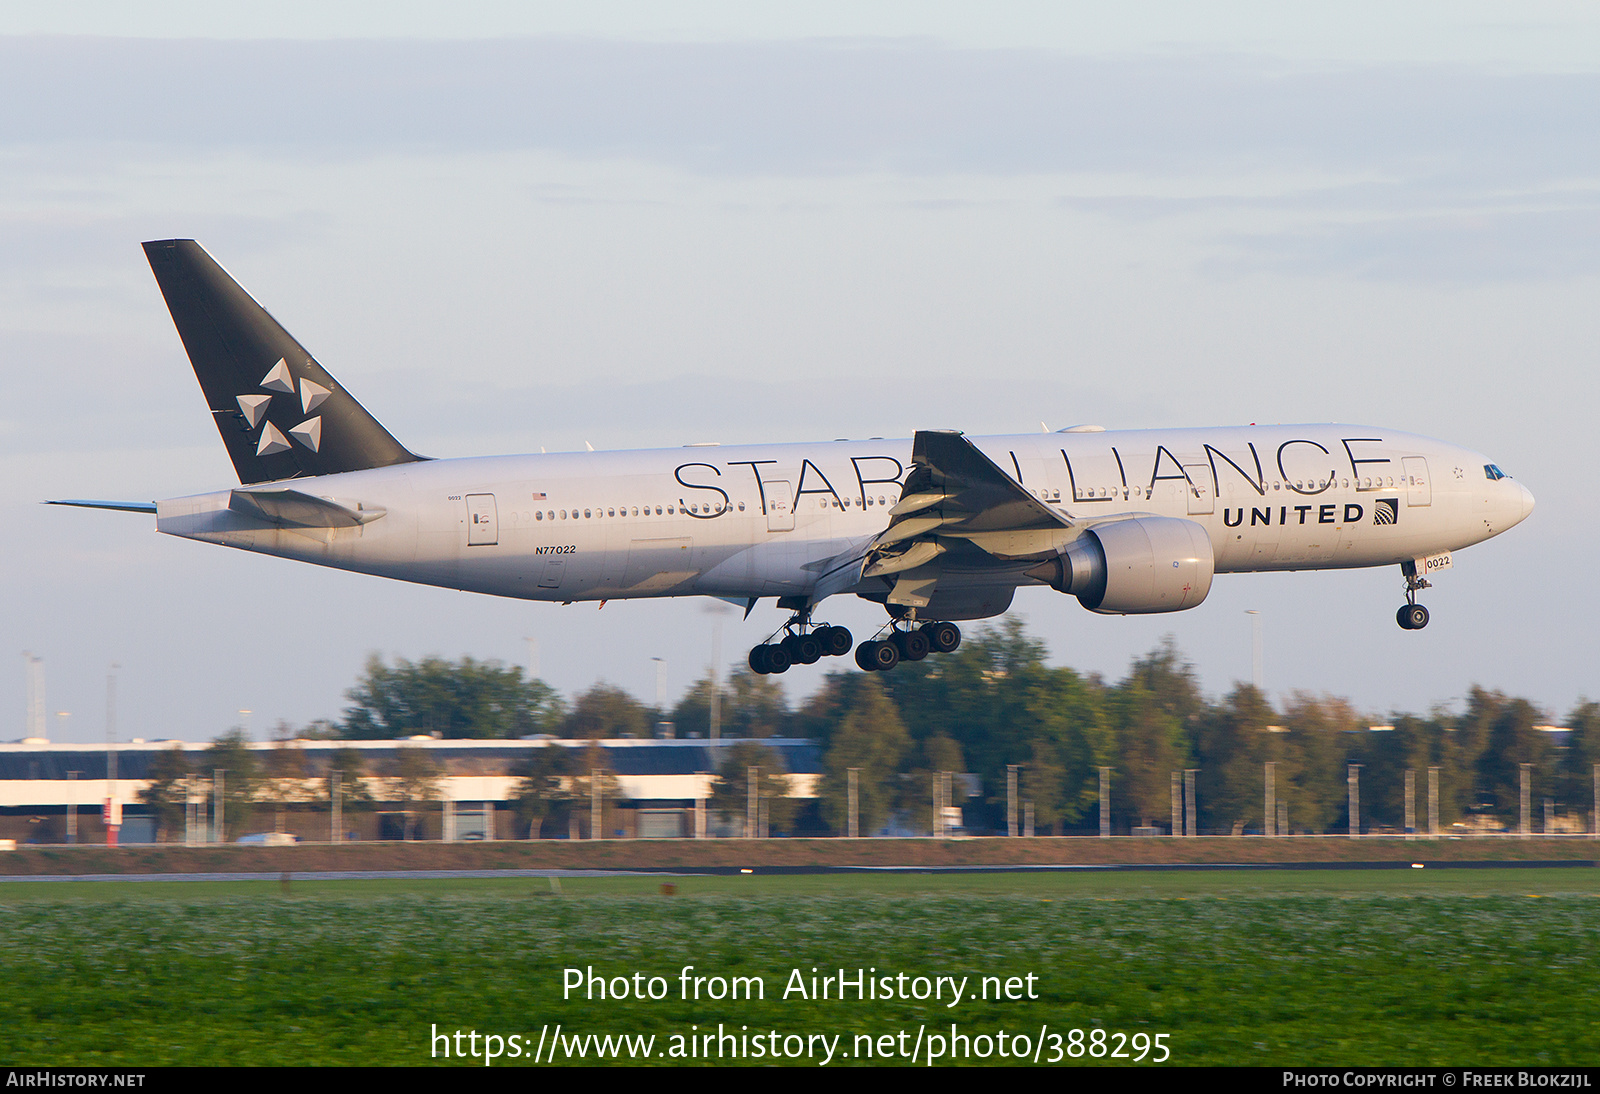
(1134, 566)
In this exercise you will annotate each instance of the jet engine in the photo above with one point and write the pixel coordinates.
(1128, 567)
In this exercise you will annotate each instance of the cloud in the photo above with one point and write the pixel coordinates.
(1461, 248)
(799, 107)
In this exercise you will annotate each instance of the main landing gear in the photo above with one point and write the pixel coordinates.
(804, 644)
(1412, 616)
(908, 644)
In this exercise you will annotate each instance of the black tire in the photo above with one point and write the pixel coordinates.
(913, 645)
(1416, 617)
(942, 637)
(836, 641)
(864, 658)
(777, 659)
(1400, 617)
(804, 649)
(758, 661)
(884, 655)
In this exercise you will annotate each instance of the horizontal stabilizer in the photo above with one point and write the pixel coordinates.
(121, 506)
(293, 509)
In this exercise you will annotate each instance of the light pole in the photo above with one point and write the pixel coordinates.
(1526, 829)
(1411, 803)
(1352, 774)
(1257, 671)
(1270, 813)
(1191, 812)
(1177, 805)
(113, 808)
(1011, 799)
(35, 727)
(1433, 801)
(1105, 803)
(72, 808)
(854, 804)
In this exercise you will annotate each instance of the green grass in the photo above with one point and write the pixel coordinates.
(1282, 967)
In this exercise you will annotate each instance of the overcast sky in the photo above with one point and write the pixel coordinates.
(514, 226)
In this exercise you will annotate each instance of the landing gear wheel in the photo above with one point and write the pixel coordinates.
(877, 656)
(803, 649)
(942, 637)
(836, 641)
(758, 661)
(913, 645)
(778, 659)
(1413, 617)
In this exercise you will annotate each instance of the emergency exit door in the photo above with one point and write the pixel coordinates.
(483, 521)
(1418, 490)
(780, 506)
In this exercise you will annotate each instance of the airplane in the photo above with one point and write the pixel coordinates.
(938, 529)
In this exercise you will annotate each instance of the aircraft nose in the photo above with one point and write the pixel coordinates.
(1527, 502)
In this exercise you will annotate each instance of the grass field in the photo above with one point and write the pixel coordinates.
(1281, 967)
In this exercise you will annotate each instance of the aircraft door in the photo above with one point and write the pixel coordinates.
(554, 569)
(779, 497)
(1202, 499)
(483, 521)
(1418, 492)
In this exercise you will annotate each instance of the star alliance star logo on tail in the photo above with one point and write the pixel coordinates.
(254, 409)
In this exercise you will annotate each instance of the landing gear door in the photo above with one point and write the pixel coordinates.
(780, 506)
(1418, 492)
(483, 521)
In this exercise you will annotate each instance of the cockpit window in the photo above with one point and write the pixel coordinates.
(1490, 471)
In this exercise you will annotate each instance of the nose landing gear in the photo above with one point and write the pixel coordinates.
(1412, 616)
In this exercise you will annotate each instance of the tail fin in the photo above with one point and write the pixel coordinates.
(280, 414)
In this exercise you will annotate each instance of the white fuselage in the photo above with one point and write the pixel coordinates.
(760, 521)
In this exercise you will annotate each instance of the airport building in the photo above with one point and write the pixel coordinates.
(417, 788)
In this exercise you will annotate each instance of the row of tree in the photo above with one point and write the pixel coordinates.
(557, 787)
(995, 703)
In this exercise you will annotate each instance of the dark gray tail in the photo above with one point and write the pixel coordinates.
(280, 414)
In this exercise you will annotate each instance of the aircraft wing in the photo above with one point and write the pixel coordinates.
(960, 511)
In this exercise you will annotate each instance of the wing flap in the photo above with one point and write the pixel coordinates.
(958, 504)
